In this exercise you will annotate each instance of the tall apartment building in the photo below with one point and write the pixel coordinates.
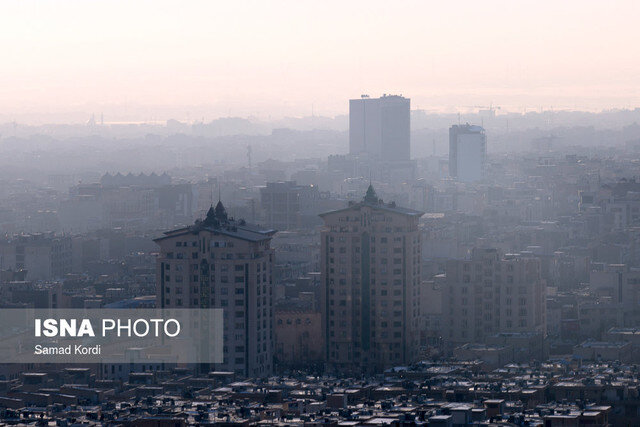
(380, 127)
(467, 152)
(224, 263)
(370, 266)
(489, 294)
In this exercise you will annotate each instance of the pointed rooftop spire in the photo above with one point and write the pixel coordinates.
(210, 220)
(371, 196)
(221, 212)
(211, 213)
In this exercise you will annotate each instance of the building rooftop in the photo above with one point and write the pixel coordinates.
(218, 222)
(372, 200)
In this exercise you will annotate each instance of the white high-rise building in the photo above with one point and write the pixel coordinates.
(467, 152)
(379, 127)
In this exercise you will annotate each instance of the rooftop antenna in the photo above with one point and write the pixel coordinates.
(219, 198)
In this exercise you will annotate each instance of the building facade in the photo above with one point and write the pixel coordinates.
(491, 294)
(380, 127)
(224, 263)
(44, 256)
(370, 266)
(289, 206)
(467, 152)
(299, 340)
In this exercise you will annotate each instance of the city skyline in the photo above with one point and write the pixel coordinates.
(305, 213)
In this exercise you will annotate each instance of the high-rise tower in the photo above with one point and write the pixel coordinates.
(467, 152)
(379, 127)
(223, 263)
(370, 262)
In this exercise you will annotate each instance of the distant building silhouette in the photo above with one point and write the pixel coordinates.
(288, 206)
(43, 256)
(141, 180)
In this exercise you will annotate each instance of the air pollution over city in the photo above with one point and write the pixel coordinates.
(319, 213)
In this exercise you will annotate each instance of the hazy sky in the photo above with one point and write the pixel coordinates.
(156, 58)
